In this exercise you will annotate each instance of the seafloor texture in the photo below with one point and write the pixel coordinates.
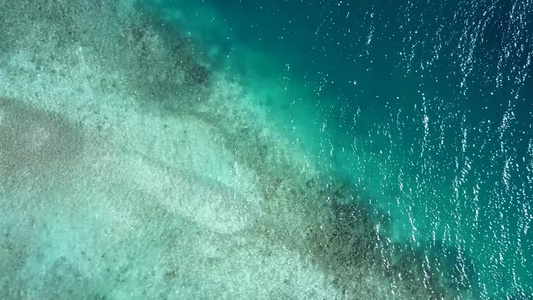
(134, 165)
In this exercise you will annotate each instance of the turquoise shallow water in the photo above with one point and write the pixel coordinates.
(174, 149)
(423, 107)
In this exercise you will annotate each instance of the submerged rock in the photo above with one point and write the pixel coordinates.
(310, 183)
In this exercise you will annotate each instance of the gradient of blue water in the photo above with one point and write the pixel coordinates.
(424, 106)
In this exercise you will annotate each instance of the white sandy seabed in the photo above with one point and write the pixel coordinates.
(132, 170)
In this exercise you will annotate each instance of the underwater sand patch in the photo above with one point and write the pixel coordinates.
(34, 143)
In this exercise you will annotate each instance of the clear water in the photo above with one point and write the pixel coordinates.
(417, 116)
(425, 106)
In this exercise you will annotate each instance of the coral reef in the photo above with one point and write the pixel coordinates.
(319, 222)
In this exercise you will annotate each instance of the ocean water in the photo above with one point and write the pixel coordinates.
(279, 150)
(424, 107)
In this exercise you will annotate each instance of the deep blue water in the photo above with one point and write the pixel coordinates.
(425, 107)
